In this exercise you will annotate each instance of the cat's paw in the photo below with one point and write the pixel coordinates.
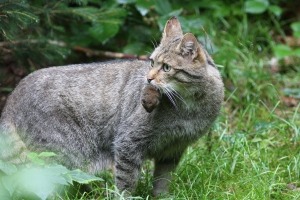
(150, 98)
(159, 193)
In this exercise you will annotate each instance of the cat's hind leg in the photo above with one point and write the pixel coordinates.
(104, 161)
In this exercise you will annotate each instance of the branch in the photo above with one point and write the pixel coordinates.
(19, 42)
(88, 52)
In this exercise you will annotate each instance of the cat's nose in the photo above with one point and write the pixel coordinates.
(149, 79)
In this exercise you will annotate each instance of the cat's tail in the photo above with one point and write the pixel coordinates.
(12, 148)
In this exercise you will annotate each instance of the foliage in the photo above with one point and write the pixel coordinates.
(282, 50)
(36, 179)
(45, 31)
(260, 6)
(41, 33)
(255, 143)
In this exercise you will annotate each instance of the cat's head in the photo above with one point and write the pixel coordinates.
(179, 61)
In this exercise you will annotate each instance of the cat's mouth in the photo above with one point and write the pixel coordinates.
(156, 87)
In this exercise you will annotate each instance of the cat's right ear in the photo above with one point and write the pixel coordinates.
(172, 29)
(191, 49)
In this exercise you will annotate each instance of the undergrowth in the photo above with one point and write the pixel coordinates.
(253, 151)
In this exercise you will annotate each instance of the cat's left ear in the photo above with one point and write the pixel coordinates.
(190, 48)
(172, 29)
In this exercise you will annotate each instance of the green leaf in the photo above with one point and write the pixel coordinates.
(43, 181)
(282, 51)
(163, 19)
(254, 140)
(105, 23)
(163, 7)
(22, 15)
(134, 48)
(4, 195)
(125, 1)
(192, 24)
(296, 29)
(57, 169)
(275, 10)
(256, 6)
(47, 154)
(10, 184)
(7, 168)
(296, 52)
(113, 16)
(293, 92)
(34, 157)
(82, 177)
(175, 13)
(80, 2)
(103, 32)
(144, 6)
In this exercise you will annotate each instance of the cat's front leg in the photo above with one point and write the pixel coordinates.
(162, 175)
(128, 163)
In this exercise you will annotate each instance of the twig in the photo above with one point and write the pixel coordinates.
(52, 42)
(90, 52)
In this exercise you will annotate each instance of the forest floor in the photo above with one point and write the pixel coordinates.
(253, 151)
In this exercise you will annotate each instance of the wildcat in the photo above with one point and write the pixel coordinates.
(92, 116)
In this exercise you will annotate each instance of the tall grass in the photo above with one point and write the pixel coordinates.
(254, 149)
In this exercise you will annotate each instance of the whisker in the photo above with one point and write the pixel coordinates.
(170, 92)
(153, 44)
(175, 94)
(173, 97)
(170, 97)
(156, 42)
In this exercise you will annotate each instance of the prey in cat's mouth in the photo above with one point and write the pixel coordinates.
(150, 97)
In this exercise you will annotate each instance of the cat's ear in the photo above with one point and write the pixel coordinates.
(172, 29)
(190, 48)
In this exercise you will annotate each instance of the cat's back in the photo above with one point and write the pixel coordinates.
(61, 108)
(55, 78)
(77, 89)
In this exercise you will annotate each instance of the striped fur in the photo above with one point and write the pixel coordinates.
(91, 114)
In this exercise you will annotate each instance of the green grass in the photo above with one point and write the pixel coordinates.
(241, 166)
(253, 153)
(254, 149)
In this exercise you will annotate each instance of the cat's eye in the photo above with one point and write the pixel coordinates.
(166, 67)
(152, 63)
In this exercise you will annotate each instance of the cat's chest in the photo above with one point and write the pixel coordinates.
(173, 137)
(178, 125)
(173, 129)
(185, 128)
